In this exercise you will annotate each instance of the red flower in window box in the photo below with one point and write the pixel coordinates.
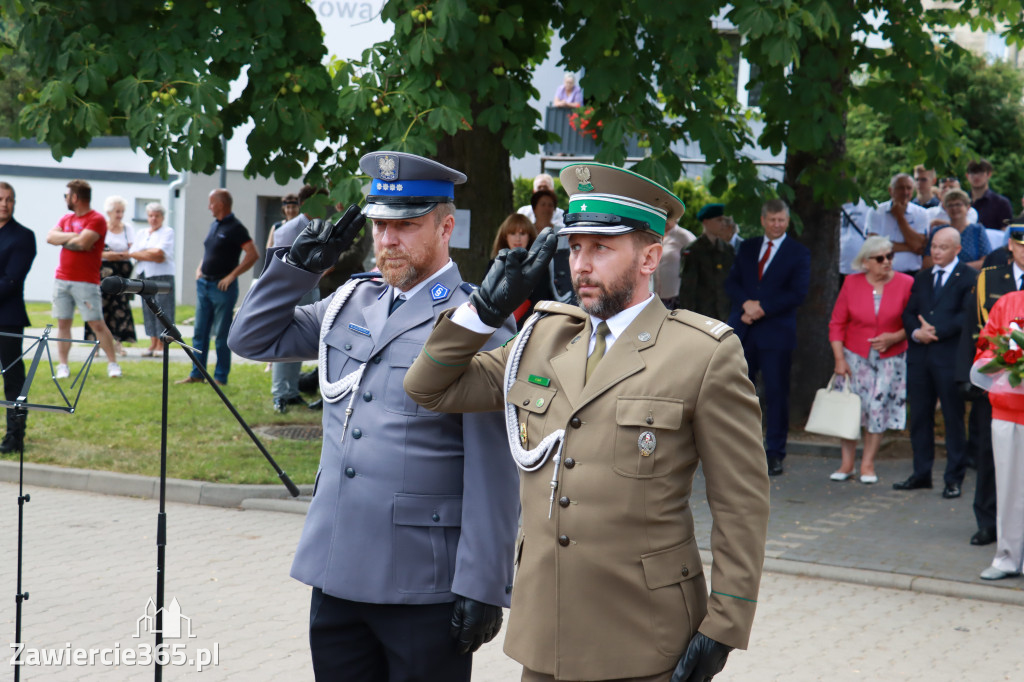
(583, 122)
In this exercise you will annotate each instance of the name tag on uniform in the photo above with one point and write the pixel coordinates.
(540, 381)
(358, 330)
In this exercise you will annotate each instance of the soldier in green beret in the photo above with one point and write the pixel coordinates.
(704, 266)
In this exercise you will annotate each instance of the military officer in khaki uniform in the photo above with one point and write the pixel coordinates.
(609, 409)
(705, 264)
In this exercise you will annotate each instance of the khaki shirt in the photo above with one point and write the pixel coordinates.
(611, 585)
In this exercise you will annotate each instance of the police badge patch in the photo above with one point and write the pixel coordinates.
(387, 166)
(439, 292)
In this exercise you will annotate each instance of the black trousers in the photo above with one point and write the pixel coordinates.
(926, 383)
(985, 490)
(10, 349)
(774, 365)
(359, 642)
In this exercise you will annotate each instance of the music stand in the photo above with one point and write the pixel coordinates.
(21, 408)
(169, 334)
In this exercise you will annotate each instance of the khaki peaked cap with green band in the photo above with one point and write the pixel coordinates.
(608, 200)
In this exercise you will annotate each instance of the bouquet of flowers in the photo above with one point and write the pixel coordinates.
(583, 122)
(1004, 371)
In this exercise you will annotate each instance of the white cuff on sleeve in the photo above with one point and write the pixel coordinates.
(466, 317)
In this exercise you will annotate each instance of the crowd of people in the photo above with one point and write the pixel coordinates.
(414, 515)
(950, 256)
(920, 273)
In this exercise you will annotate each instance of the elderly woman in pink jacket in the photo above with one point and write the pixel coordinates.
(870, 349)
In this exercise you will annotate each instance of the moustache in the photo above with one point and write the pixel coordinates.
(392, 254)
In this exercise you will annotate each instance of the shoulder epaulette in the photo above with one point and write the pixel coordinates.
(560, 309)
(716, 329)
(467, 287)
(365, 275)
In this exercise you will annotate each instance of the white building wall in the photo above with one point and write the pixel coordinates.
(111, 167)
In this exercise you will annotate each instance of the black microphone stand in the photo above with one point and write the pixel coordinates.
(169, 334)
(21, 408)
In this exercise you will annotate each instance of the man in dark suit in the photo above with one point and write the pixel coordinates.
(17, 251)
(992, 283)
(934, 318)
(767, 283)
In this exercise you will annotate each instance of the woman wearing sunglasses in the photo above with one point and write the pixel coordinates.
(870, 348)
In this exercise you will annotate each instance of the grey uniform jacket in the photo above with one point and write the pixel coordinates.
(412, 505)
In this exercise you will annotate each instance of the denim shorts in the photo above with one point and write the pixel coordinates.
(86, 295)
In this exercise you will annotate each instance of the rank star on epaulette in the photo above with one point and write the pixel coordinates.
(439, 292)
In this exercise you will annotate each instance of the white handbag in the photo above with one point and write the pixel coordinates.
(835, 412)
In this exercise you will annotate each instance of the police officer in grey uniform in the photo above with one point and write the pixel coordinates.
(409, 538)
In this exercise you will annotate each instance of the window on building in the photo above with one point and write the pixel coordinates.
(743, 73)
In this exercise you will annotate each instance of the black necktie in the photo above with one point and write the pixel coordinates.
(1020, 286)
(938, 283)
(395, 305)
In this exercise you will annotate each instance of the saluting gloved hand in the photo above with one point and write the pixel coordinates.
(512, 278)
(704, 658)
(474, 624)
(319, 245)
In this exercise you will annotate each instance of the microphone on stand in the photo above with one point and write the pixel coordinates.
(144, 287)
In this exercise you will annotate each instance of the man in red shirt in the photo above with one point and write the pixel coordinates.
(80, 234)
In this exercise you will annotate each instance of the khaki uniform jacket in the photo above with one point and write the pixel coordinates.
(611, 585)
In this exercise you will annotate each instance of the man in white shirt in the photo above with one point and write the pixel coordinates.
(903, 222)
(852, 225)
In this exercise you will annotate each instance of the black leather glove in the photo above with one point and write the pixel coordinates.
(318, 247)
(512, 278)
(704, 658)
(474, 624)
(969, 391)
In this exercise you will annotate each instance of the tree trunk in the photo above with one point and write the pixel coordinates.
(812, 360)
(487, 193)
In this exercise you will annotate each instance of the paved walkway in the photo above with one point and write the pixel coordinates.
(915, 535)
(862, 583)
(90, 568)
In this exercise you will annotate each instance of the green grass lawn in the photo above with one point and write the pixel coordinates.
(116, 426)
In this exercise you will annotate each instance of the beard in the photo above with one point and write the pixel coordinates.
(613, 299)
(398, 269)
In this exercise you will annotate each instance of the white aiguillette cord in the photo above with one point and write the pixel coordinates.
(529, 460)
(332, 392)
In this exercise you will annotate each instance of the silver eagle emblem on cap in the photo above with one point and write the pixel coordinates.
(583, 175)
(387, 166)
